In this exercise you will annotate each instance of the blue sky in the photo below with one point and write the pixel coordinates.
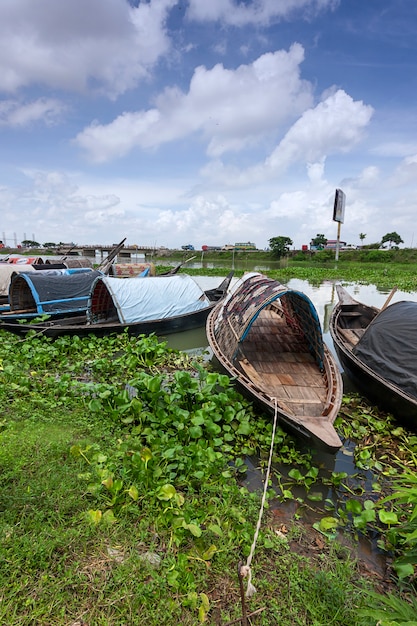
(207, 122)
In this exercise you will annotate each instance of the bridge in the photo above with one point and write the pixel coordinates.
(94, 250)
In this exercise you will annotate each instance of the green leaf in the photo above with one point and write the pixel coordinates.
(94, 516)
(107, 482)
(202, 614)
(295, 474)
(145, 455)
(108, 517)
(133, 493)
(216, 530)
(328, 523)
(95, 405)
(75, 450)
(154, 384)
(244, 428)
(195, 432)
(198, 418)
(193, 528)
(205, 601)
(315, 496)
(209, 553)
(166, 492)
(388, 517)
(404, 570)
(354, 506)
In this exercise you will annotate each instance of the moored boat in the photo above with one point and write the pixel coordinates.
(269, 339)
(377, 349)
(55, 292)
(161, 305)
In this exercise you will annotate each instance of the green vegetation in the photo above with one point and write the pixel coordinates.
(124, 495)
(319, 241)
(391, 238)
(122, 501)
(280, 246)
(383, 268)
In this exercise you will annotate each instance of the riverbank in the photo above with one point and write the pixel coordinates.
(124, 500)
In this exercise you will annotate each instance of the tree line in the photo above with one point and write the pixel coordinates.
(280, 246)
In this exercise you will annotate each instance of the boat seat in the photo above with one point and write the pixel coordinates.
(352, 335)
(350, 314)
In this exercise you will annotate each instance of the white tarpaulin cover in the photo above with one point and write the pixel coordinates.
(159, 297)
(6, 271)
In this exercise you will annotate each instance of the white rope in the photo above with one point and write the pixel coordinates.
(245, 570)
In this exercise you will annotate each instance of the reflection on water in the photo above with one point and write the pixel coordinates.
(191, 341)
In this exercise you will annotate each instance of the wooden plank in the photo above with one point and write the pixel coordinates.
(251, 372)
(349, 335)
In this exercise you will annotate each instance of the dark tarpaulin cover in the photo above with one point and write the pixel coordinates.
(389, 346)
(63, 291)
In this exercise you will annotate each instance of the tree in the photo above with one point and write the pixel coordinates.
(28, 243)
(391, 238)
(319, 241)
(362, 237)
(49, 244)
(280, 246)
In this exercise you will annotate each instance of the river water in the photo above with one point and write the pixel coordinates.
(323, 297)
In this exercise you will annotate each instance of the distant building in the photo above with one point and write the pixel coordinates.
(247, 245)
(331, 244)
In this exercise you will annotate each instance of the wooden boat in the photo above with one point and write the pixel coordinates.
(269, 339)
(161, 305)
(377, 349)
(54, 292)
(25, 265)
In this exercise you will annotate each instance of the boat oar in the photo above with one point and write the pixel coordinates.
(388, 300)
(106, 263)
(64, 258)
(177, 267)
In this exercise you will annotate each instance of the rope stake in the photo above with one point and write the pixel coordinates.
(245, 570)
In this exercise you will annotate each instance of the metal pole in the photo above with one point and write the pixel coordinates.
(337, 241)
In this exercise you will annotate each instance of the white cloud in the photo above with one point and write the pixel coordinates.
(254, 12)
(233, 109)
(17, 114)
(395, 149)
(405, 172)
(333, 126)
(100, 44)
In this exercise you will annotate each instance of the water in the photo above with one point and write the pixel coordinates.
(323, 296)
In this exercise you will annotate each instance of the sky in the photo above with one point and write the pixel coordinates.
(173, 122)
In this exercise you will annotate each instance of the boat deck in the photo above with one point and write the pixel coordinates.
(277, 360)
(351, 336)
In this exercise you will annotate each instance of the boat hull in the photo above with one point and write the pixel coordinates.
(267, 348)
(348, 323)
(79, 326)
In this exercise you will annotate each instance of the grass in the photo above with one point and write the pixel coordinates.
(58, 569)
(110, 514)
